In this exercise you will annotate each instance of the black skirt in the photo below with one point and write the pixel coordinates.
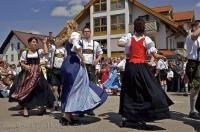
(143, 98)
(41, 95)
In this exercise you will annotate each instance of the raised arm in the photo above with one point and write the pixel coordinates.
(45, 48)
(75, 39)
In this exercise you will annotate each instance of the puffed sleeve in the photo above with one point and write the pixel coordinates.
(75, 39)
(150, 46)
(98, 49)
(125, 38)
(23, 56)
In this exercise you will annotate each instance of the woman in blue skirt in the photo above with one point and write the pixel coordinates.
(79, 95)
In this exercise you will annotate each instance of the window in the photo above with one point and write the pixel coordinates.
(12, 57)
(100, 6)
(100, 26)
(18, 45)
(180, 45)
(117, 4)
(118, 24)
(103, 44)
(12, 47)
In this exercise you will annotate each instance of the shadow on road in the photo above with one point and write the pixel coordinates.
(186, 120)
(33, 112)
(15, 108)
(82, 120)
(116, 119)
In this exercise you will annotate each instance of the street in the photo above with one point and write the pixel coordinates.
(107, 119)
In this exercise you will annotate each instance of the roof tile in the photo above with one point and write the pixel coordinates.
(184, 15)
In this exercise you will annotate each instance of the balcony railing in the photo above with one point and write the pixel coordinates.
(150, 26)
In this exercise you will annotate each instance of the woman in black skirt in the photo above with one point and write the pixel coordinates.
(32, 89)
(143, 99)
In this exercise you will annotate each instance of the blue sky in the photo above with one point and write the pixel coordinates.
(42, 16)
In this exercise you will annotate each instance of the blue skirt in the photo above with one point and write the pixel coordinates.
(79, 95)
(113, 81)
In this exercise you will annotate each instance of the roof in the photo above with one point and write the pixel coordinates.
(23, 37)
(183, 16)
(175, 26)
(162, 9)
(86, 11)
(164, 19)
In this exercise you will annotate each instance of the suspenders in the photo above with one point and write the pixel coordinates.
(81, 44)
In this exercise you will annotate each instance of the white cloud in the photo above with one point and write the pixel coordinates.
(69, 2)
(77, 2)
(75, 10)
(35, 10)
(198, 4)
(33, 32)
(60, 11)
(73, 7)
(67, 12)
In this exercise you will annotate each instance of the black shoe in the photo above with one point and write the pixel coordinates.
(56, 108)
(42, 111)
(81, 115)
(194, 115)
(91, 113)
(64, 122)
(144, 126)
(123, 122)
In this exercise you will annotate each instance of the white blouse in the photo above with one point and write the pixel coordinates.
(148, 43)
(30, 55)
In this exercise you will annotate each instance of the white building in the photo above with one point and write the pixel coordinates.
(15, 42)
(110, 19)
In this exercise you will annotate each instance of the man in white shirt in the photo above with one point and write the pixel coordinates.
(92, 53)
(192, 46)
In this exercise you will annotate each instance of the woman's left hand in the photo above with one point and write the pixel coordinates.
(45, 40)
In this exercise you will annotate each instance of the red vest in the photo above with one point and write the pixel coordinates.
(137, 51)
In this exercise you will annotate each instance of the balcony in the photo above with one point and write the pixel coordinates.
(150, 26)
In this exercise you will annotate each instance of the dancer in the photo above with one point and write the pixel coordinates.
(192, 46)
(92, 53)
(143, 99)
(32, 89)
(112, 83)
(79, 95)
(59, 55)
